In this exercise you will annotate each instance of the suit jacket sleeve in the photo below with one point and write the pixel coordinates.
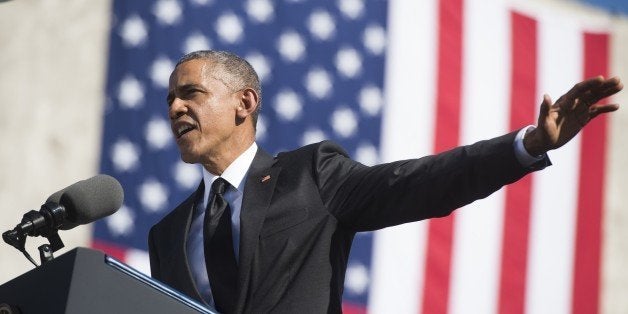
(368, 198)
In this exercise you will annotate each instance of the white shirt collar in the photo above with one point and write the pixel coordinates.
(234, 174)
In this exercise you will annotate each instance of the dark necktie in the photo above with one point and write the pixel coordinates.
(222, 268)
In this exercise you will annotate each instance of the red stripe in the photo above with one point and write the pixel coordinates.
(350, 308)
(447, 135)
(523, 106)
(586, 285)
(113, 250)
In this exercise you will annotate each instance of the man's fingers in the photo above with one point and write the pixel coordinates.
(609, 88)
(596, 110)
(589, 92)
(579, 89)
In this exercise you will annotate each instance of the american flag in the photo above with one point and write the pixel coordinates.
(388, 81)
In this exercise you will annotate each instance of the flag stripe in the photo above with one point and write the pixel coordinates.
(113, 250)
(590, 200)
(407, 132)
(552, 221)
(448, 98)
(517, 206)
(615, 241)
(478, 226)
(349, 308)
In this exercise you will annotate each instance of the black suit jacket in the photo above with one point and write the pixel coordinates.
(297, 226)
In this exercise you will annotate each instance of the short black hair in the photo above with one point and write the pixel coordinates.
(242, 73)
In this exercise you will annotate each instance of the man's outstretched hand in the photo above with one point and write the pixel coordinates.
(560, 122)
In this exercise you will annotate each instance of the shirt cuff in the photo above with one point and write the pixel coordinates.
(522, 155)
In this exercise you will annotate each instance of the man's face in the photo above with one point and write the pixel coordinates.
(202, 110)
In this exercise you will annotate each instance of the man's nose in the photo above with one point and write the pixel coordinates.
(177, 108)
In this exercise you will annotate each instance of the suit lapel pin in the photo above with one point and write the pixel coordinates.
(266, 178)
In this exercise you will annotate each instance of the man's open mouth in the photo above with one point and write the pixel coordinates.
(182, 129)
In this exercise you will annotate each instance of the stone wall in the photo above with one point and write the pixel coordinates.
(53, 61)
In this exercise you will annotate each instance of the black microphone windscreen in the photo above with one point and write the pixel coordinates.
(89, 200)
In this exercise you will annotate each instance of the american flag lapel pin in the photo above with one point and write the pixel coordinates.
(266, 178)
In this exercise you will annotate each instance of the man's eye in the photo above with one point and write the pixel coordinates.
(191, 92)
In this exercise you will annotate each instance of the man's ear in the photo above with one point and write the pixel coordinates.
(248, 103)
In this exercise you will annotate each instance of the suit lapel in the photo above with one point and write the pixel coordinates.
(258, 191)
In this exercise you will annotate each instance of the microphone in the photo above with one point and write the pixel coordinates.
(88, 200)
(80, 203)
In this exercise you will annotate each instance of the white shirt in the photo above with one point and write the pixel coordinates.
(522, 155)
(235, 174)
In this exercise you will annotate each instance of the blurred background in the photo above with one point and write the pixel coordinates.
(84, 85)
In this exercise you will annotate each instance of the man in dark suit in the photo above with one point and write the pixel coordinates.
(278, 230)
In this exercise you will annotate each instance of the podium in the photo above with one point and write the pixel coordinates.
(87, 281)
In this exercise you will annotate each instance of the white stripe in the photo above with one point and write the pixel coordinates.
(554, 194)
(615, 239)
(398, 264)
(408, 121)
(485, 114)
(407, 132)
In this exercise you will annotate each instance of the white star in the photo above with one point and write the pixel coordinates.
(187, 175)
(261, 128)
(261, 64)
(374, 39)
(371, 100)
(291, 46)
(318, 83)
(158, 133)
(321, 25)
(130, 93)
(344, 122)
(122, 222)
(260, 11)
(348, 62)
(366, 154)
(160, 71)
(313, 136)
(153, 195)
(288, 105)
(138, 259)
(351, 8)
(124, 155)
(195, 42)
(133, 31)
(356, 279)
(229, 28)
(168, 12)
